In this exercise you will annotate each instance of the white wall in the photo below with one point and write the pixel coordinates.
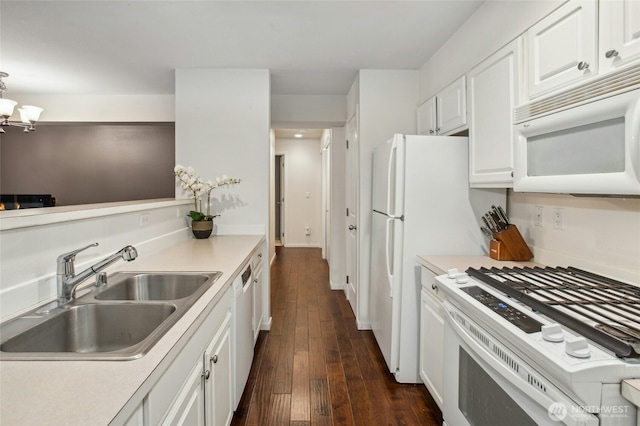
(102, 108)
(222, 127)
(272, 206)
(494, 24)
(601, 235)
(28, 255)
(303, 176)
(338, 252)
(387, 104)
(308, 111)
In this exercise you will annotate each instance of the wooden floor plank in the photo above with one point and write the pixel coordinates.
(300, 398)
(314, 367)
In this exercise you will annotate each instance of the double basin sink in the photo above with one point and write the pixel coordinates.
(121, 320)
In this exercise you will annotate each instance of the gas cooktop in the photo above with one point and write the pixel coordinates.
(601, 309)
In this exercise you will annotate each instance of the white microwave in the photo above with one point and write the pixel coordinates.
(590, 149)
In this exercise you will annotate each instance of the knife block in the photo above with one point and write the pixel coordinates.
(509, 245)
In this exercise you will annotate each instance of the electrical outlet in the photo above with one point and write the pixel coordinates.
(180, 212)
(558, 218)
(144, 219)
(538, 215)
(307, 230)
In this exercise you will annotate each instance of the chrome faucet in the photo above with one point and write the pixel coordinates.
(67, 279)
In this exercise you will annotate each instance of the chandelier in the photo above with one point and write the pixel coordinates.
(29, 114)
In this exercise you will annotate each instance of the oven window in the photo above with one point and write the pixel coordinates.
(482, 401)
(593, 148)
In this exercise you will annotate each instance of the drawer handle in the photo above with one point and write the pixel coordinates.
(582, 65)
(434, 287)
(214, 359)
(206, 374)
(255, 280)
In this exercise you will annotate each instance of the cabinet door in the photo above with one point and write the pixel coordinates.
(431, 346)
(562, 47)
(451, 107)
(218, 391)
(493, 92)
(188, 408)
(619, 33)
(427, 117)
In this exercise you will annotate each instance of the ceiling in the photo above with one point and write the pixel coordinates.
(133, 47)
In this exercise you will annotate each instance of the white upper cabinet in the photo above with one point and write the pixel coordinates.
(446, 112)
(427, 124)
(562, 47)
(451, 106)
(494, 88)
(619, 33)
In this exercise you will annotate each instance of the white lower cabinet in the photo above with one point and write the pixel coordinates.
(217, 388)
(431, 336)
(195, 389)
(188, 407)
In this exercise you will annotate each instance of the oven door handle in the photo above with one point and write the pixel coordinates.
(478, 351)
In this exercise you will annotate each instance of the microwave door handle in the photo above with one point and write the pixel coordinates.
(508, 374)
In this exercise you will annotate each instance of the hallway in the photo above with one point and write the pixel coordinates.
(314, 367)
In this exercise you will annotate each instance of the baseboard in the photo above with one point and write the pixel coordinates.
(266, 325)
(335, 286)
(273, 259)
(363, 325)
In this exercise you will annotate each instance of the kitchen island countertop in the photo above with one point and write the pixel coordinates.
(99, 392)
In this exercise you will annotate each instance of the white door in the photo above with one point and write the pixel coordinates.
(619, 33)
(326, 200)
(562, 47)
(351, 287)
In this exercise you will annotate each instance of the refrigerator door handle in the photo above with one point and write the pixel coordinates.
(389, 253)
(391, 184)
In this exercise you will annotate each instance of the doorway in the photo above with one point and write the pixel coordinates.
(279, 199)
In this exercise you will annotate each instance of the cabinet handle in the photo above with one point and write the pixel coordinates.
(511, 173)
(260, 255)
(214, 359)
(437, 130)
(434, 287)
(255, 280)
(431, 131)
(352, 227)
(611, 53)
(582, 65)
(206, 374)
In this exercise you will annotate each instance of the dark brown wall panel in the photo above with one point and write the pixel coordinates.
(89, 163)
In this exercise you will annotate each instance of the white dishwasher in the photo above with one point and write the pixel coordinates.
(241, 331)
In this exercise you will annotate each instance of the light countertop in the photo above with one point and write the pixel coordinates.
(94, 392)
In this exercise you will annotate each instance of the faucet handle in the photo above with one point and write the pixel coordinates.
(65, 261)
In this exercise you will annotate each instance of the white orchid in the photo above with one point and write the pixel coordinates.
(190, 181)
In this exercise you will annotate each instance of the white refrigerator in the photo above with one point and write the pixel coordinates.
(422, 204)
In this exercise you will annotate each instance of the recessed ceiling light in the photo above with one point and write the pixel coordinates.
(298, 135)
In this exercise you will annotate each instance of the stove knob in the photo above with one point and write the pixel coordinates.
(451, 273)
(462, 278)
(577, 347)
(552, 333)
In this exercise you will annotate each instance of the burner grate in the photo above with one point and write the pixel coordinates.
(601, 309)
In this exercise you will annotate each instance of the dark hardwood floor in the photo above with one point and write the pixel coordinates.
(314, 367)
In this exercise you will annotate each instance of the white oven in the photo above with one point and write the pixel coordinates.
(538, 346)
(487, 384)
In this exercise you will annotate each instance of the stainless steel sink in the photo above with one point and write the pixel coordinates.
(119, 321)
(145, 286)
(92, 328)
